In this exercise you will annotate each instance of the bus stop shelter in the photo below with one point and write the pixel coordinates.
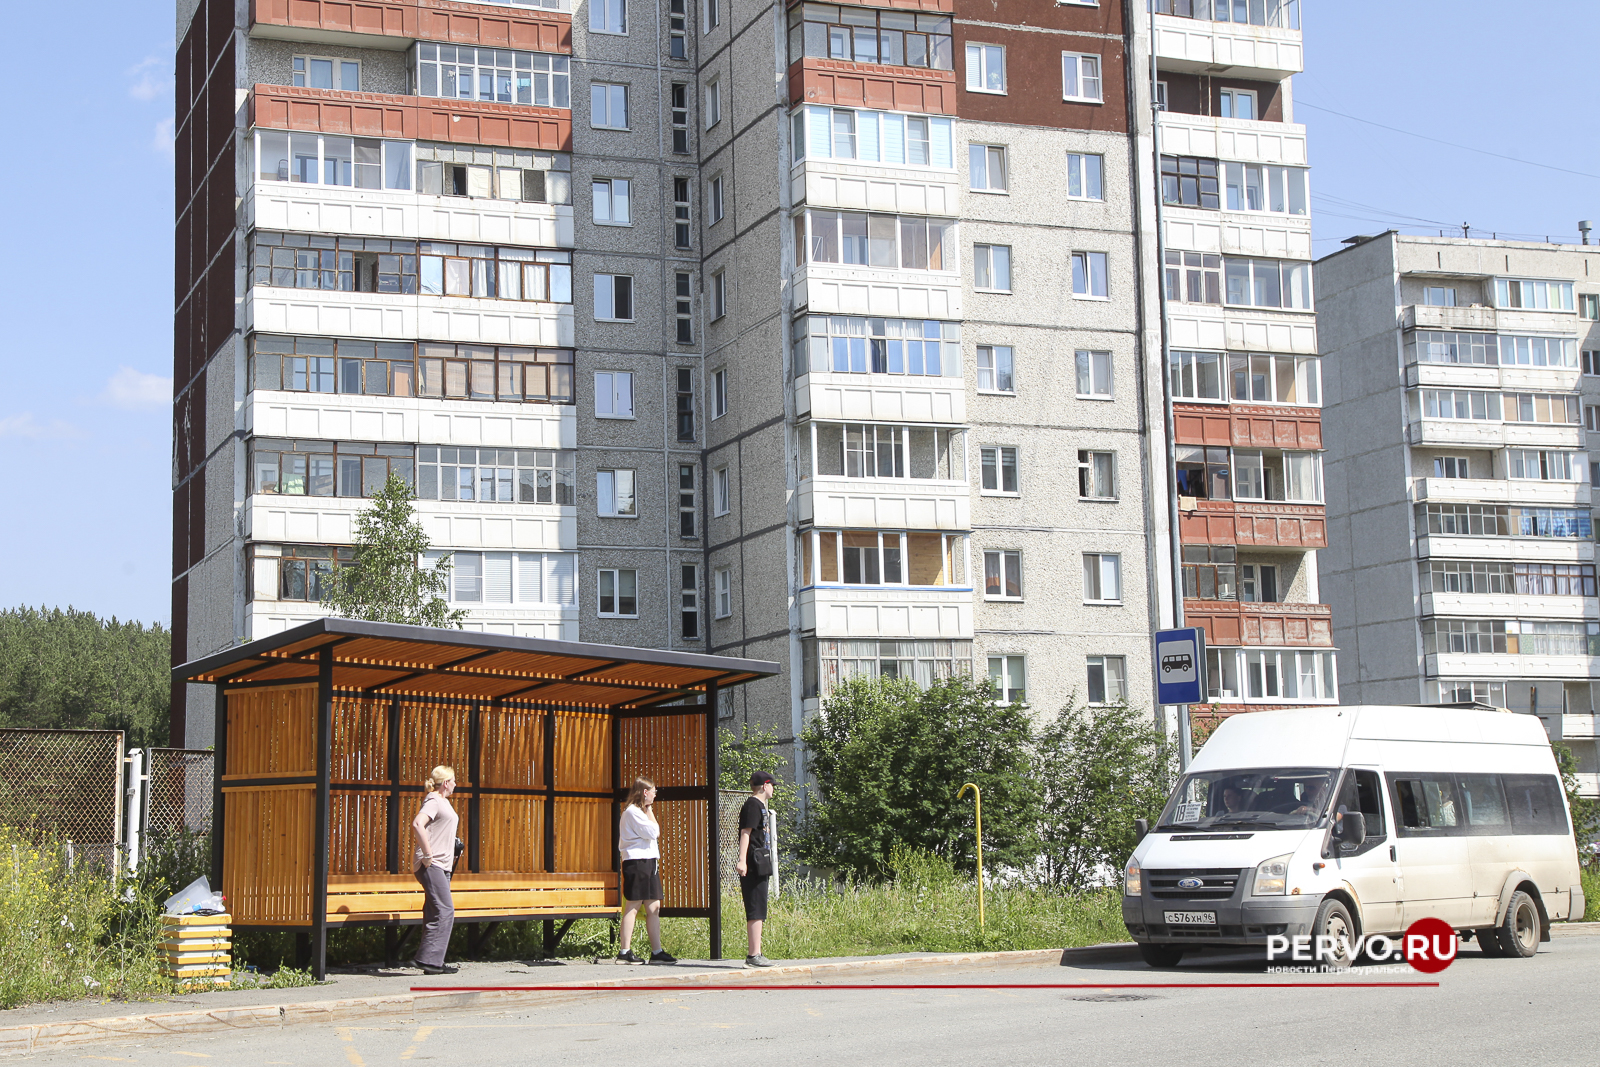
(325, 734)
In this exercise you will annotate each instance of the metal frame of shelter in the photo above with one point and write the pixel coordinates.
(326, 732)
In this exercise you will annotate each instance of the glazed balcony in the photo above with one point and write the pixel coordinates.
(1229, 622)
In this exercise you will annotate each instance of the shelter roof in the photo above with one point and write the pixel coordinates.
(389, 659)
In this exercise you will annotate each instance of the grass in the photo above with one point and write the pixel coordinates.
(1590, 879)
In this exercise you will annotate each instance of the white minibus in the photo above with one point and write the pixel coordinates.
(1321, 826)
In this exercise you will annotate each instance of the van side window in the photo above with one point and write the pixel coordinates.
(1535, 804)
(1484, 803)
(1369, 798)
(1426, 804)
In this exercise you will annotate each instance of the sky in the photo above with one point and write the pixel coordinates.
(85, 408)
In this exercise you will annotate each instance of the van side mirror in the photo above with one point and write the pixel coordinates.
(1352, 829)
(1141, 827)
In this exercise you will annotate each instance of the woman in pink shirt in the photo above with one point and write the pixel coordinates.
(434, 830)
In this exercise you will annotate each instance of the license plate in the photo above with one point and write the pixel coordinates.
(1191, 918)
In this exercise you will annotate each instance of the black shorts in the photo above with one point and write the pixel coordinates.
(640, 880)
(753, 887)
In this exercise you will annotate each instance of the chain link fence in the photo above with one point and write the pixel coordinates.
(729, 801)
(177, 792)
(65, 784)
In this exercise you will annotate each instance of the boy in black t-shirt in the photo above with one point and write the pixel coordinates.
(755, 863)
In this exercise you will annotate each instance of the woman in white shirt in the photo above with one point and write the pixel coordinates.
(641, 880)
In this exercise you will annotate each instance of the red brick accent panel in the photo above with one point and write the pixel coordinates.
(834, 81)
(284, 107)
(1265, 625)
(425, 20)
(1225, 522)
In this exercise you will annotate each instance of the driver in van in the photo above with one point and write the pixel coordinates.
(1232, 799)
(1315, 791)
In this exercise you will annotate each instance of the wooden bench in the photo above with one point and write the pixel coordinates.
(374, 898)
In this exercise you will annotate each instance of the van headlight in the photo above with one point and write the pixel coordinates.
(1132, 881)
(1272, 876)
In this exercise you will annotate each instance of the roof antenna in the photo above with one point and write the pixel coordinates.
(1466, 231)
(1584, 227)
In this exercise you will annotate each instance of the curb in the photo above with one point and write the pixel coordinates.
(39, 1037)
(1578, 929)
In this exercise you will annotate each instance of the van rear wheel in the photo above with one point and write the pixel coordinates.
(1160, 955)
(1520, 930)
(1489, 942)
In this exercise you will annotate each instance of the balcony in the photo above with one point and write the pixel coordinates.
(1501, 491)
(844, 289)
(844, 183)
(833, 397)
(842, 83)
(388, 316)
(404, 419)
(885, 503)
(394, 24)
(263, 618)
(1468, 433)
(1527, 549)
(1199, 46)
(878, 611)
(1236, 140)
(335, 209)
(1506, 665)
(1260, 525)
(1239, 329)
(411, 118)
(1475, 319)
(1564, 608)
(326, 520)
(1228, 622)
(1248, 426)
(1579, 727)
(1517, 379)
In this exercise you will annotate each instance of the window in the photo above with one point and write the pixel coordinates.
(1190, 181)
(1478, 349)
(1295, 477)
(1002, 575)
(1238, 104)
(1210, 572)
(1543, 465)
(1589, 306)
(680, 113)
(499, 74)
(713, 10)
(393, 368)
(614, 494)
(1560, 409)
(713, 103)
(1094, 374)
(724, 592)
(865, 35)
(1080, 77)
(719, 393)
(884, 241)
(994, 369)
(1273, 675)
(826, 663)
(1008, 679)
(875, 558)
(608, 106)
(1204, 473)
(678, 34)
(1263, 379)
(1491, 693)
(1108, 680)
(613, 394)
(613, 297)
(1096, 475)
(1102, 578)
(1253, 187)
(1258, 583)
(608, 16)
(683, 311)
(1085, 176)
(872, 136)
(618, 593)
(986, 68)
(688, 505)
(991, 267)
(849, 345)
(500, 173)
(1194, 277)
(526, 476)
(1486, 578)
(1591, 418)
(1492, 520)
(1538, 351)
(1196, 375)
(685, 404)
(1438, 296)
(987, 168)
(1267, 283)
(999, 469)
(444, 268)
(714, 199)
(546, 578)
(856, 451)
(296, 572)
(680, 212)
(1460, 404)
(312, 159)
(1535, 802)
(689, 601)
(1502, 637)
(719, 295)
(720, 492)
(611, 202)
(1591, 362)
(316, 72)
(1161, 96)
(1533, 294)
(1089, 274)
(325, 468)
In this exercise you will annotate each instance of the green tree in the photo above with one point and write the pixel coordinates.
(746, 748)
(71, 670)
(888, 759)
(387, 581)
(1099, 770)
(1585, 811)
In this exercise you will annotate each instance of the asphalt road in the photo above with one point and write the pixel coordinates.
(1490, 1011)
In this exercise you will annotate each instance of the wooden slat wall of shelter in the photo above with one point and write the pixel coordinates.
(272, 732)
(433, 735)
(266, 864)
(511, 835)
(358, 832)
(360, 740)
(583, 756)
(670, 750)
(512, 748)
(683, 853)
(583, 833)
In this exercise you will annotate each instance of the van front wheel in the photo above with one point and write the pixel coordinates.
(1519, 931)
(1160, 955)
(1335, 933)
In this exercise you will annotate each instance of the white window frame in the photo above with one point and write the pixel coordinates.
(723, 578)
(1589, 306)
(1078, 174)
(998, 466)
(1009, 559)
(605, 298)
(981, 59)
(983, 255)
(721, 492)
(609, 486)
(1160, 100)
(1097, 370)
(613, 394)
(609, 196)
(983, 160)
(997, 369)
(1236, 94)
(1003, 694)
(713, 105)
(616, 611)
(1081, 73)
(1103, 662)
(719, 393)
(1101, 569)
(304, 61)
(689, 601)
(1089, 260)
(606, 12)
(714, 205)
(719, 295)
(1086, 462)
(712, 10)
(604, 103)
(1448, 295)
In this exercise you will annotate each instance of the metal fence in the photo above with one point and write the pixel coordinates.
(177, 791)
(66, 784)
(729, 801)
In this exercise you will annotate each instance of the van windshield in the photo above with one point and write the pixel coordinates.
(1276, 799)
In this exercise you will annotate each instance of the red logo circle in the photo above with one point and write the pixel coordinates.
(1430, 945)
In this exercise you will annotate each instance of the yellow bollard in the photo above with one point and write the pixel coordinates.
(977, 803)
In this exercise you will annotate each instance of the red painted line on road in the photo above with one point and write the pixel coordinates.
(679, 988)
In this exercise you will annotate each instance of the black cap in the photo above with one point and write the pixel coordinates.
(759, 779)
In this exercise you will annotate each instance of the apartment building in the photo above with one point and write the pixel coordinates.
(1243, 358)
(1463, 385)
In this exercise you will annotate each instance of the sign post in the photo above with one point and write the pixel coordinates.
(1180, 666)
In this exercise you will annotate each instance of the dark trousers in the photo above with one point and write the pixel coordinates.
(438, 916)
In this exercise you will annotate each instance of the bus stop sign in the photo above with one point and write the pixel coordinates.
(1181, 666)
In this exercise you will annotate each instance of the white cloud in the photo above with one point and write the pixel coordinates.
(133, 390)
(25, 425)
(151, 78)
(161, 140)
